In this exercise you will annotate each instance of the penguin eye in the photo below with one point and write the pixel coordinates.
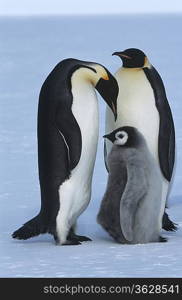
(120, 135)
(121, 138)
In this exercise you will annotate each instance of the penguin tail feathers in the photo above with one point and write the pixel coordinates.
(167, 224)
(30, 229)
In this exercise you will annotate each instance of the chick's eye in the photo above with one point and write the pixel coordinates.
(119, 135)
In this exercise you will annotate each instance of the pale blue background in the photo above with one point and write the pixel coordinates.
(22, 7)
(30, 47)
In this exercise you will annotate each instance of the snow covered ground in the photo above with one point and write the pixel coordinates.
(30, 48)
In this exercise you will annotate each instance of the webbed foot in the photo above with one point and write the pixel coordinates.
(80, 238)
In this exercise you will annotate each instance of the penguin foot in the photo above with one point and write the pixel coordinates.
(162, 239)
(167, 224)
(69, 241)
(80, 238)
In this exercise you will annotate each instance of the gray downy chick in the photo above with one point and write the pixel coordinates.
(131, 207)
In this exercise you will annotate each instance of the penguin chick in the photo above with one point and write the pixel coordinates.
(130, 209)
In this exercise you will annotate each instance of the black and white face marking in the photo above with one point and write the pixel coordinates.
(132, 58)
(121, 138)
(125, 136)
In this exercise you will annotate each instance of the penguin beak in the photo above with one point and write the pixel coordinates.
(122, 55)
(105, 77)
(109, 136)
(109, 89)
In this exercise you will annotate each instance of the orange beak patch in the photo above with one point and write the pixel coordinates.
(126, 56)
(105, 77)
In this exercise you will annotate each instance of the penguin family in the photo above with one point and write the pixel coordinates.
(138, 121)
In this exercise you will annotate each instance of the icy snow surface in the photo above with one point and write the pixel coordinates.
(30, 48)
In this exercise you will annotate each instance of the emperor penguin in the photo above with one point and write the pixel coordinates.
(142, 103)
(68, 121)
(130, 209)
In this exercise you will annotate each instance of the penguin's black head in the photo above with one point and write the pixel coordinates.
(109, 90)
(132, 58)
(126, 136)
(102, 80)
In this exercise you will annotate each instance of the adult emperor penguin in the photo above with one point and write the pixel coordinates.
(67, 141)
(130, 209)
(142, 103)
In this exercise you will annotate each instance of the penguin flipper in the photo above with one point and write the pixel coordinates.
(135, 189)
(70, 132)
(166, 148)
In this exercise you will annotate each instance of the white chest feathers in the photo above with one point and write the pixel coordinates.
(75, 193)
(136, 105)
(85, 111)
